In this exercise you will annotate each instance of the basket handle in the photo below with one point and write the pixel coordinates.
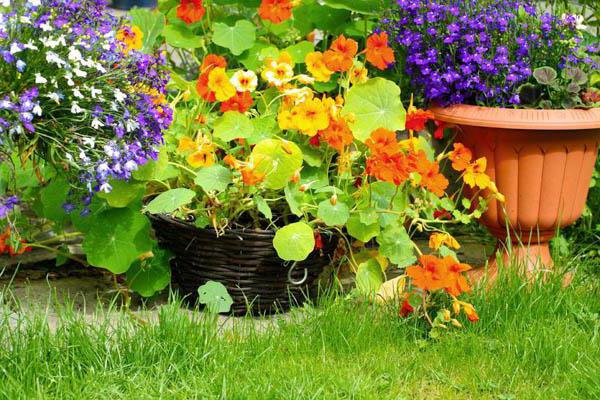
(301, 281)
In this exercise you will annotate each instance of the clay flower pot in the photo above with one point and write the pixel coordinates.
(542, 161)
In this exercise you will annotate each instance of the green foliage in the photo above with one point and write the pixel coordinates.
(213, 178)
(395, 244)
(294, 242)
(369, 277)
(233, 125)
(150, 23)
(236, 38)
(152, 275)
(178, 36)
(123, 193)
(116, 238)
(278, 160)
(333, 214)
(170, 201)
(215, 297)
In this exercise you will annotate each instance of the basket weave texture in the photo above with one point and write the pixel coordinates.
(244, 261)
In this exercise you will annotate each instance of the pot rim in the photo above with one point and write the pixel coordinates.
(523, 119)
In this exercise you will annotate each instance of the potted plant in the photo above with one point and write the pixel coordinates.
(520, 86)
(281, 153)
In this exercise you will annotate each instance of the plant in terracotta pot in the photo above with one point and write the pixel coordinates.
(520, 86)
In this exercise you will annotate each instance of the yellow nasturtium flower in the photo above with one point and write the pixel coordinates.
(475, 175)
(436, 240)
(130, 37)
(218, 82)
(316, 67)
(311, 117)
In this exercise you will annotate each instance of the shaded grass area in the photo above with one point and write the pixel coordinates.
(532, 342)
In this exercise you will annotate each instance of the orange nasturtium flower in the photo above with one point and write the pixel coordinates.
(337, 135)
(241, 102)
(200, 154)
(475, 175)
(316, 66)
(130, 37)
(457, 280)
(383, 141)
(276, 11)
(210, 62)
(340, 56)
(431, 178)
(378, 52)
(190, 11)
(416, 119)
(437, 239)
(218, 82)
(461, 157)
(431, 274)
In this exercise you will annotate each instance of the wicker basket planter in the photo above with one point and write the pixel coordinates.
(243, 260)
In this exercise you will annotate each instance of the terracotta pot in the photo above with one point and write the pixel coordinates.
(542, 161)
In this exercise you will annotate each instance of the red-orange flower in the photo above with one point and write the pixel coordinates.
(416, 119)
(406, 309)
(203, 89)
(431, 178)
(378, 52)
(457, 281)
(461, 157)
(432, 274)
(275, 11)
(190, 11)
(5, 247)
(337, 135)
(383, 141)
(388, 168)
(241, 102)
(212, 61)
(340, 56)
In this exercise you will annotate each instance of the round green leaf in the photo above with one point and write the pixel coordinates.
(179, 36)
(170, 201)
(358, 6)
(215, 297)
(299, 51)
(216, 177)
(122, 193)
(279, 160)
(236, 38)
(53, 197)
(395, 244)
(233, 125)
(294, 242)
(150, 276)
(116, 239)
(361, 231)
(333, 215)
(369, 277)
(375, 104)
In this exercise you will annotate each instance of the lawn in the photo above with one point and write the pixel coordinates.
(533, 341)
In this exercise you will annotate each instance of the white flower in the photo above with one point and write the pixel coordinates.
(37, 110)
(130, 165)
(35, 3)
(318, 35)
(69, 79)
(52, 43)
(120, 96)
(89, 141)
(102, 168)
(83, 157)
(39, 79)
(110, 151)
(69, 157)
(74, 54)
(14, 48)
(54, 96)
(97, 124)
(105, 187)
(75, 109)
(29, 45)
(46, 26)
(244, 81)
(77, 93)
(53, 58)
(25, 20)
(80, 73)
(95, 92)
(5, 3)
(131, 125)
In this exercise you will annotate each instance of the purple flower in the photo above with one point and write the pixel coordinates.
(7, 205)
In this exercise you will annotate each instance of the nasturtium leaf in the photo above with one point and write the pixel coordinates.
(445, 251)
(595, 79)
(123, 193)
(213, 178)
(358, 6)
(299, 51)
(291, 196)
(294, 242)
(236, 38)
(150, 276)
(53, 197)
(545, 75)
(263, 207)
(153, 169)
(333, 214)
(327, 19)
(233, 125)
(252, 58)
(382, 195)
(180, 36)
(375, 104)
(151, 23)
(311, 155)
(279, 160)
(116, 239)
(395, 244)
(265, 127)
(361, 231)
(170, 200)
(215, 297)
(369, 278)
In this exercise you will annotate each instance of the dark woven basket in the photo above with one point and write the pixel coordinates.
(243, 260)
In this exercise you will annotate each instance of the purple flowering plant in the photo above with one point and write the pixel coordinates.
(493, 53)
(77, 94)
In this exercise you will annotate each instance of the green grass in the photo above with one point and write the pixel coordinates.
(532, 342)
